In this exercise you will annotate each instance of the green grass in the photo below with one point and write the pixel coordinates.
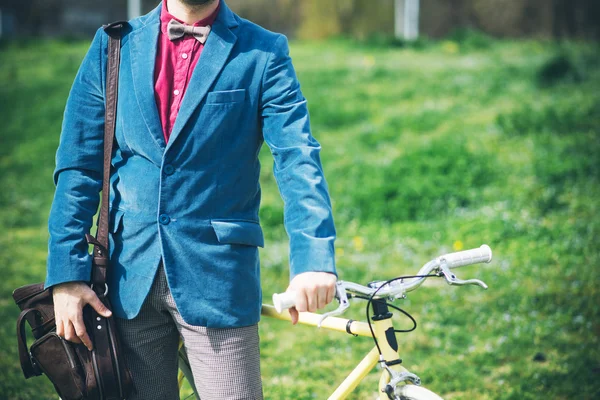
(426, 149)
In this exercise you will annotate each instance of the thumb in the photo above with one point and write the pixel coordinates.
(294, 314)
(97, 305)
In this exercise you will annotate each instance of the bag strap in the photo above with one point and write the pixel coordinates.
(27, 365)
(104, 356)
(101, 251)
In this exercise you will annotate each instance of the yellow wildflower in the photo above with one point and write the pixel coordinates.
(450, 47)
(358, 243)
(368, 61)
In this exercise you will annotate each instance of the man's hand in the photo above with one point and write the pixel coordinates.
(69, 300)
(314, 290)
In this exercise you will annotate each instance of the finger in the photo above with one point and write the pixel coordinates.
(60, 330)
(294, 314)
(330, 293)
(321, 296)
(70, 334)
(311, 296)
(97, 305)
(81, 332)
(301, 302)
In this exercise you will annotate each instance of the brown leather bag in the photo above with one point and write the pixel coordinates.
(76, 372)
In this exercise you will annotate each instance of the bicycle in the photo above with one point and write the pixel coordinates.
(396, 382)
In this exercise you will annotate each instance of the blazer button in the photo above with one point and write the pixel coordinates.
(164, 219)
(169, 169)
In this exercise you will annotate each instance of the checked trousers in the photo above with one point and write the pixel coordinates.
(225, 362)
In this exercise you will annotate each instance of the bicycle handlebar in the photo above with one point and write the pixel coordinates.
(482, 254)
(285, 300)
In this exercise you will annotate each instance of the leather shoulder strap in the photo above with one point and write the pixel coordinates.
(101, 250)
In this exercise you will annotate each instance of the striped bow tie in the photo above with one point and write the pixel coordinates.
(176, 29)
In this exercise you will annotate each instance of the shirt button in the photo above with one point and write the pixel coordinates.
(184, 56)
(164, 219)
(169, 169)
(176, 92)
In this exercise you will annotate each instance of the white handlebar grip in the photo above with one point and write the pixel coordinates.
(283, 301)
(482, 254)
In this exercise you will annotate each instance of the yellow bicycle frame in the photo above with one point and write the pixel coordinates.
(381, 328)
(356, 328)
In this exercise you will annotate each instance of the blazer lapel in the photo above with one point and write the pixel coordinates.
(143, 49)
(216, 51)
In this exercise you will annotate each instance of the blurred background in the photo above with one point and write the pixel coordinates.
(317, 19)
(443, 124)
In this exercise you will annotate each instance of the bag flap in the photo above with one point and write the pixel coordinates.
(39, 301)
(22, 294)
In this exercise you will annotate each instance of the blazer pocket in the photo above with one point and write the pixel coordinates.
(236, 231)
(226, 96)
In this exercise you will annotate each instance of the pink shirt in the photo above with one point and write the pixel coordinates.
(175, 62)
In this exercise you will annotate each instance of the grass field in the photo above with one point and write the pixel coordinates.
(426, 148)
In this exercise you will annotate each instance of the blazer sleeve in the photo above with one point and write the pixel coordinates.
(78, 171)
(297, 166)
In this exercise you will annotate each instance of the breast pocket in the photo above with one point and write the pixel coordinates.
(226, 97)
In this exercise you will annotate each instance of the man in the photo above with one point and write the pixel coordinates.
(200, 90)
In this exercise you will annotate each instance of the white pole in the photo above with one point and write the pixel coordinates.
(411, 15)
(134, 8)
(406, 19)
(399, 19)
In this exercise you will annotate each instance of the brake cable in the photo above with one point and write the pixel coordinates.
(370, 301)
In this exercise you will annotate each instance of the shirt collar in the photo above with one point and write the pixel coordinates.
(166, 16)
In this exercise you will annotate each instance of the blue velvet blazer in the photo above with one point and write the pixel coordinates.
(194, 201)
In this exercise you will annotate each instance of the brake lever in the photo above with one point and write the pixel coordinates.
(342, 297)
(453, 280)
